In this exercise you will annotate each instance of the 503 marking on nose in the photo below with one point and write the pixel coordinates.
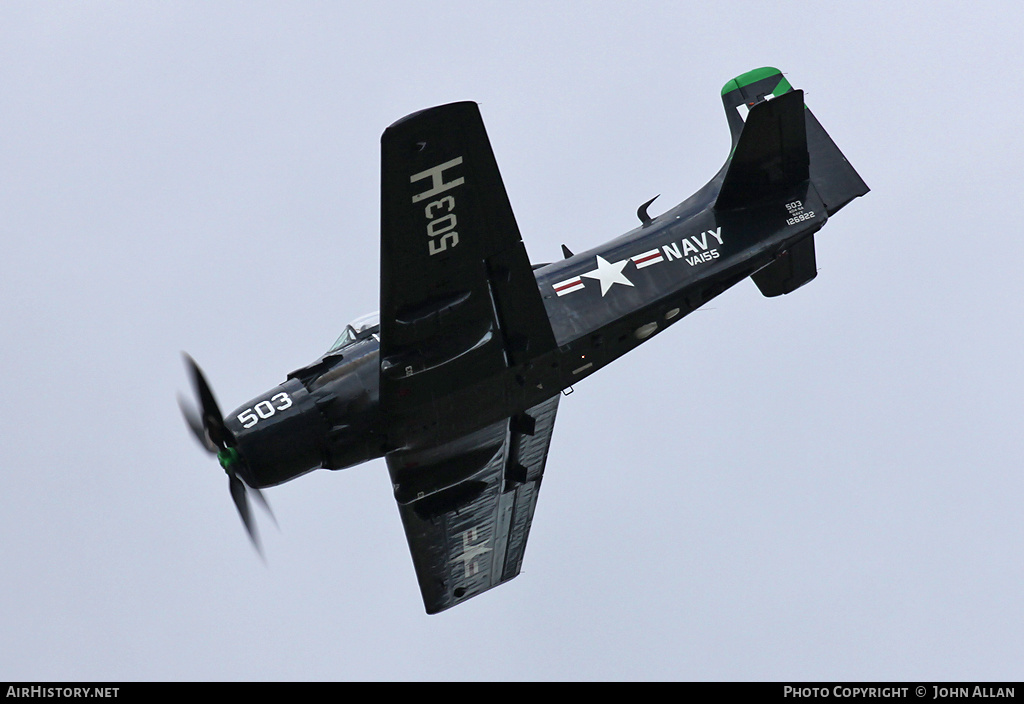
(440, 213)
(264, 409)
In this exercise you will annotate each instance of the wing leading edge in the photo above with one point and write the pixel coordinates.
(467, 505)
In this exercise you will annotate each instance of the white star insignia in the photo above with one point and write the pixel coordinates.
(608, 274)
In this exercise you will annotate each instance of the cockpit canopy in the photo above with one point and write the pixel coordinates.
(359, 329)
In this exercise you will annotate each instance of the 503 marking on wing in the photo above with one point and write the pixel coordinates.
(440, 213)
(443, 226)
(264, 409)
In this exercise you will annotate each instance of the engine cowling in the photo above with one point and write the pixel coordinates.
(280, 434)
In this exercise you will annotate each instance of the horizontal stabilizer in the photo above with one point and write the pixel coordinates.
(793, 268)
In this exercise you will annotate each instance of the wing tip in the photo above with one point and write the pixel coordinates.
(419, 114)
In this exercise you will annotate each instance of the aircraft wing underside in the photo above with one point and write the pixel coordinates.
(461, 317)
(467, 505)
(460, 305)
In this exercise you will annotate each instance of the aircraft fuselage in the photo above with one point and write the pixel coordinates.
(606, 301)
(602, 303)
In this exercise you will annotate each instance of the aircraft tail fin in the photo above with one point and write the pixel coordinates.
(777, 143)
(769, 157)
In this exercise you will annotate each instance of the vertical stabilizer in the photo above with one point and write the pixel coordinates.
(766, 144)
(770, 157)
(744, 92)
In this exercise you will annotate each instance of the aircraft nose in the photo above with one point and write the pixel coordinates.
(280, 435)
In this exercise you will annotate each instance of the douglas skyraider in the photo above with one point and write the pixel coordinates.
(457, 381)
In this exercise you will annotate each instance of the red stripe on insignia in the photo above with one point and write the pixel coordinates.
(568, 286)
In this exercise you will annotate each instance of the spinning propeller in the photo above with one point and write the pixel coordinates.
(211, 432)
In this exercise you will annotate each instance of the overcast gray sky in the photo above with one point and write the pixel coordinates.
(823, 486)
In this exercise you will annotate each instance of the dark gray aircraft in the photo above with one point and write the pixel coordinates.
(456, 384)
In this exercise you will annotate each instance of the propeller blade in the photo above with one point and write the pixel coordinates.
(264, 504)
(212, 418)
(238, 493)
(207, 425)
(195, 424)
